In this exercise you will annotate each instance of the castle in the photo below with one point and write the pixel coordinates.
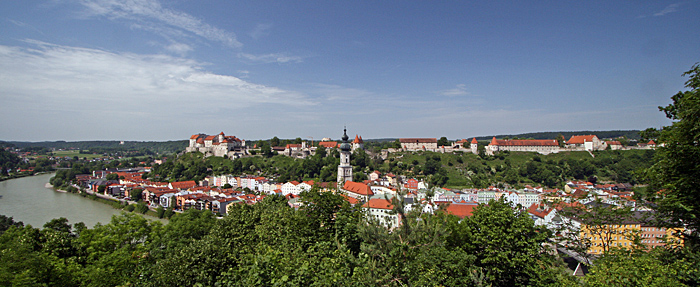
(216, 145)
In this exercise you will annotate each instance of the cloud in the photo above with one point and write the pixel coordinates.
(48, 88)
(668, 9)
(460, 90)
(271, 58)
(152, 16)
(179, 48)
(260, 30)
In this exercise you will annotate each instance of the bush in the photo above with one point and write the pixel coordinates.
(130, 208)
(141, 208)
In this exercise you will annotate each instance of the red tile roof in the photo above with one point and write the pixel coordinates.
(184, 184)
(461, 210)
(358, 188)
(328, 144)
(539, 210)
(379, 203)
(474, 140)
(358, 139)
(580, 139)
(351, 200)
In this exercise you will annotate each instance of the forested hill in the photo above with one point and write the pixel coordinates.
(630, 134)
(158, 147)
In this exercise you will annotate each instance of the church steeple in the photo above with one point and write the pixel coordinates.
(344, 168)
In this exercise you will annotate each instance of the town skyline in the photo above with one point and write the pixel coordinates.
(154, 71)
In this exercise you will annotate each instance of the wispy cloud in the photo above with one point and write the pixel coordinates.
(49, 88)
(260, 30)
(150, 13)
(459, 90)
(271, 58)
(668, 9)
(179, 48)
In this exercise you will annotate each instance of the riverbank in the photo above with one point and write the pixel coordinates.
(22, 175)
(116, 203)
(28, 200)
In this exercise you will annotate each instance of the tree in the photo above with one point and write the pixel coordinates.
(112, 176)
(275, 141)
(137, 194)
(7, 222)
(675, 177)
(649, 134)
(560, 140)
(637, 268)
(506, 243)
(443, 142)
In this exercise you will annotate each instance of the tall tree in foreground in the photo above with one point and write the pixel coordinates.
(675, 178)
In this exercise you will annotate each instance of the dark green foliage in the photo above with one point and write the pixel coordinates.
(675, 177)
(325, 242)
(7, 222)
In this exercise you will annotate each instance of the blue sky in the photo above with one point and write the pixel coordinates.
(163, 70)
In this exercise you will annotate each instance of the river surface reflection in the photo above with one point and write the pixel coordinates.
(28, 200)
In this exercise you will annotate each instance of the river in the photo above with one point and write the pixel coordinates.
(28, 200)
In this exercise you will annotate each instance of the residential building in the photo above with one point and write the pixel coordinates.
(381, 210)
(585, 142)
(357, 190)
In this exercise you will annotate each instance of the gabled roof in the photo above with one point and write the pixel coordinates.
(358, 188)
(651, 142)
(351, 200)
(581, 139)
(379, 203)
(184, 184)
(613, 142)
(461, 210)
(539, 210)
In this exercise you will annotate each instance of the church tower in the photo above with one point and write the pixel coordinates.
(344, 169)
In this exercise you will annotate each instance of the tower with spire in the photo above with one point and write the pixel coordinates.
(344, 169)
(358, 143)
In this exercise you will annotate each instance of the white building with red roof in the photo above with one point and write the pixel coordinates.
(358, 143)
(216, 145)
(585, 142)
(539, 146)
(416, 144)
(381, 209)
(357, 190)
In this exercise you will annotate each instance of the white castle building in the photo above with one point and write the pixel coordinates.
(216, 145)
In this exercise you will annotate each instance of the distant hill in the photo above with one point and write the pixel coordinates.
(156, 147)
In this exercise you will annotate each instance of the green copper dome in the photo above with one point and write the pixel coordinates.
(345, 146)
